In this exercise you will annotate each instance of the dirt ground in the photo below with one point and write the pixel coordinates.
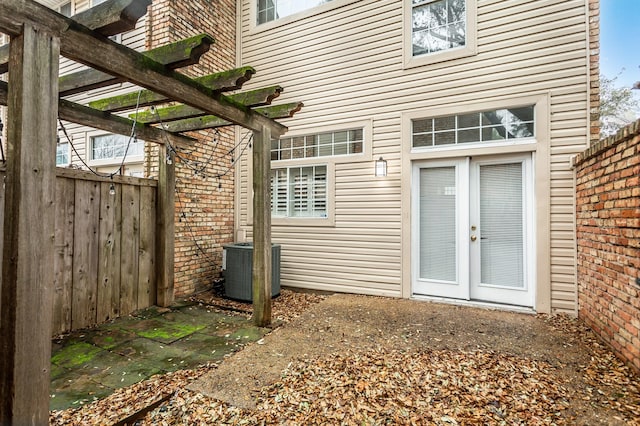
(370, 360)
(358, 325)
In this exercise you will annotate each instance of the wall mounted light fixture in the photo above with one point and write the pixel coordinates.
(381, 167)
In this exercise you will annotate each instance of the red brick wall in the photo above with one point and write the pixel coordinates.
(608, 237)
(204, 203)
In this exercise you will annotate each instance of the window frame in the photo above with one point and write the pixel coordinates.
(131, 159)
(330, 162)
(254, 27)
(471, 38)
(68, 163)
(479, 128)
(540, 102)
(71, 8)
(288, 199)
(318, 146)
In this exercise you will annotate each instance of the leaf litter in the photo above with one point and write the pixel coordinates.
(384, 386)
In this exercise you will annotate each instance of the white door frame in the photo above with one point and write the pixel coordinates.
(466, 261)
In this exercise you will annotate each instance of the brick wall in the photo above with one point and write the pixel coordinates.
(204, 202)
(608, 238)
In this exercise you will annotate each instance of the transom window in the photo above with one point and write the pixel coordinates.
(318, 145)
(487, 126)
(299, 191)
(438, 25)
(270, 10)
(111, 147)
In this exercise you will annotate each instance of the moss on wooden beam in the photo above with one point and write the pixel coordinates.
(175, 55)
(225, 81)
(84, 115)
(258, 97)
(220, 82)
(183, 52)
(210, 121)
(76, 113)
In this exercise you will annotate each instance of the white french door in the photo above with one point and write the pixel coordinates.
(472, 229)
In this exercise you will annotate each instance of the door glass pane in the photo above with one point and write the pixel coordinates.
(438, 224)
(501, 225)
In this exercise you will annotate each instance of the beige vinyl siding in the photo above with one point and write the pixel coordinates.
(347, 64)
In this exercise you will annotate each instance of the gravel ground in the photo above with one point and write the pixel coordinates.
(368, 360)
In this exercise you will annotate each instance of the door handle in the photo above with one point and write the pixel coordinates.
(473, 238)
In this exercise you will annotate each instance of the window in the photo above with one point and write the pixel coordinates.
(318, 145)
(63, 157)
(65, 9)
(299, 191)
(437, 25)
(439, 30)
(113, 147)
(479, 127)
(270, 10)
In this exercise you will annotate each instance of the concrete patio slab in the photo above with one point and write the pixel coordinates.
(91, 364)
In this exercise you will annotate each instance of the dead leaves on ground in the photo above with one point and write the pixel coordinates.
(287, 306)
(388, 386)
(427, 387)
(126, 401)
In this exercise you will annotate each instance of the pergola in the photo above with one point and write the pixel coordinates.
(34, 96)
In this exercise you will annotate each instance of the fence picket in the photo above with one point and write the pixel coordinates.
(63, 257)
(108, 300)
(129, 243)
(85, 254)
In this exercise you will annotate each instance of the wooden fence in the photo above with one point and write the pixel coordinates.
(105, 248)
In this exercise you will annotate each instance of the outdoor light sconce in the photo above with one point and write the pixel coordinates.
(381, 167)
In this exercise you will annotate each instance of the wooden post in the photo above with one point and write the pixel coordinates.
(165, 226)
(262, 227)
(27, 258)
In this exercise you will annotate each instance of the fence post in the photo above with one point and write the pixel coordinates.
(27, 258)
(165, 226)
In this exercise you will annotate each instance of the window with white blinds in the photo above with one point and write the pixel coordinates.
(299, 191)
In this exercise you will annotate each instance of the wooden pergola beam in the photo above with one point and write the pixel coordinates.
(220, 82)
(81, 114)
(108, 18)
(113, 16)
(175, 55)
(258, 97)
(121, 61)
(210, 121)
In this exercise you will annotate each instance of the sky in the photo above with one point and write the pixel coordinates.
(620, 40)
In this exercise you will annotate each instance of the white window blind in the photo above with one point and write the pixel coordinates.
(299, 191)
(438, 224)
(501, 225)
